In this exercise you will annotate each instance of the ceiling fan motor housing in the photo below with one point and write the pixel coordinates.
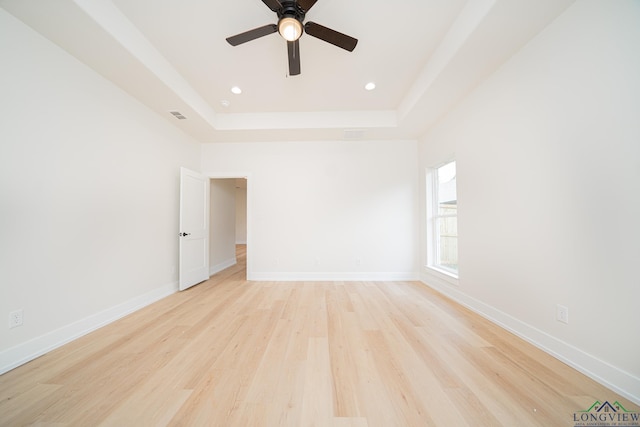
(290, 9)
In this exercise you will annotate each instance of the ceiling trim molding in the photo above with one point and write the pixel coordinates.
(308, 120)
(117, 25)
(464, 26)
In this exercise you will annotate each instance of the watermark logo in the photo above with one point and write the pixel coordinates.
(605, 414)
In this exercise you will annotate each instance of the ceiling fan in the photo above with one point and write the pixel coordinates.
(290, 25)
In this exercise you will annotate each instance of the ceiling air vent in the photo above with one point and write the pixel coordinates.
(178, 115)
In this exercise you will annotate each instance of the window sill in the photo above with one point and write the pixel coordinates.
(442, 274)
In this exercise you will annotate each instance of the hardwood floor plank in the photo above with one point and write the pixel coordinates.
(349, 422)
(366, 321)
(317, 401)
(342, 330)
(288, 400)
(26, 407)
(150, 405)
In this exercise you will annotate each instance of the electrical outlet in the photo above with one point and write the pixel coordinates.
(562, 313)
(358, 261)
(15, 318)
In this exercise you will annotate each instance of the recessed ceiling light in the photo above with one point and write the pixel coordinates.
(370, 86)
(225, 103)
(236, 90)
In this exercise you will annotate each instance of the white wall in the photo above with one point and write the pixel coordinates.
(89, 182)
(548, 153)
(222, 225)
(241, 215)
(326, 210)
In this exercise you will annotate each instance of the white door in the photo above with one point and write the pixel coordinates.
(194, 228)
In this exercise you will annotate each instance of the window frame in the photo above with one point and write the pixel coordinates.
(433, 217)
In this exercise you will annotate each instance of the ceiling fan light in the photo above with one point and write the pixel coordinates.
(290, 28)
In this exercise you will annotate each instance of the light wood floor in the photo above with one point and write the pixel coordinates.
(234, 353)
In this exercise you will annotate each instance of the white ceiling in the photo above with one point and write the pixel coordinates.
(423, 55)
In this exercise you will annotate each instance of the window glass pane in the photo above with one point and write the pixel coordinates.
(448, 243)
(445, 219)
(447, 184)
(447, 209)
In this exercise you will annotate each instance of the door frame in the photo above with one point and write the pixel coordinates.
(247, 176)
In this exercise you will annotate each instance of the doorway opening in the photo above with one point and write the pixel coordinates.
(228, 231)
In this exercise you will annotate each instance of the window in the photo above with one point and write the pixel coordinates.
(443, 219)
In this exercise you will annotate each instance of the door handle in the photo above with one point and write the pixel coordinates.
(184, 234)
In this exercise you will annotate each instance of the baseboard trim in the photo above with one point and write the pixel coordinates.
(22, 353)
(604, 373)
(328, 277)
(222, 265)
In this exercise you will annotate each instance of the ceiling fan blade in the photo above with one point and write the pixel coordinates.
(274, 5)
(306, 4)
(331, 36)
(294, 57)
(247, 36)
